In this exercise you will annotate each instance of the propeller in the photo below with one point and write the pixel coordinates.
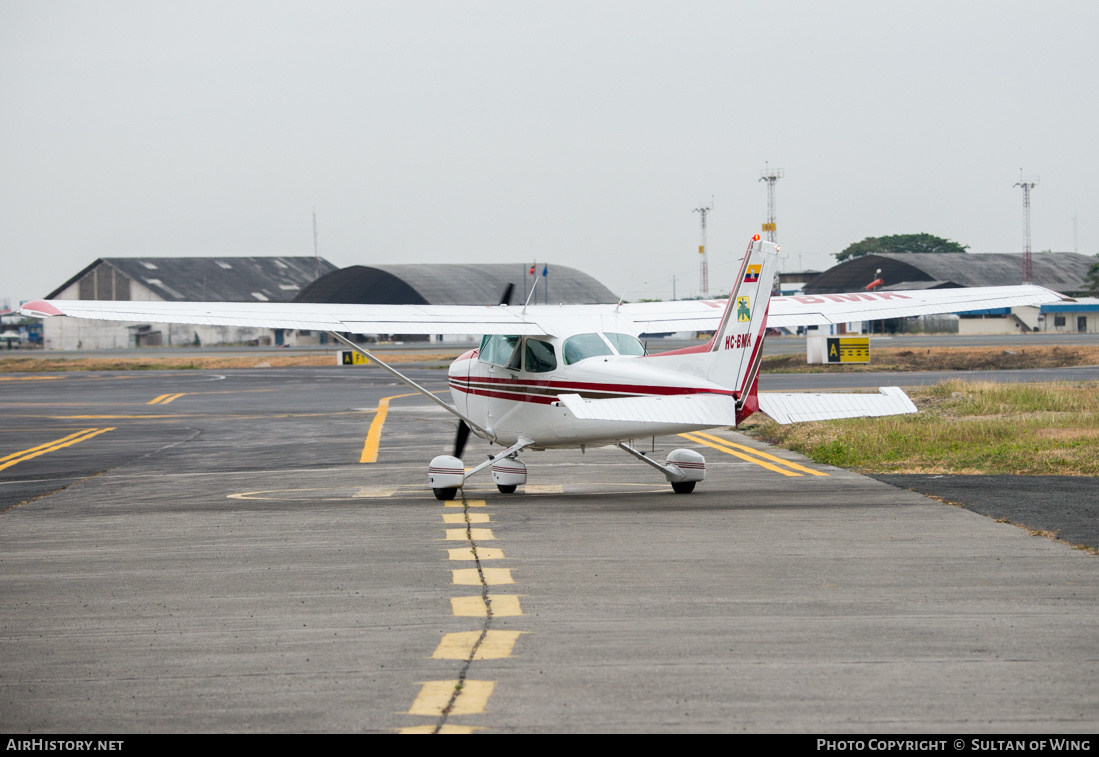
(460, 439)
(505, 298)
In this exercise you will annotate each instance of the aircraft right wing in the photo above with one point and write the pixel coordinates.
(355, 319)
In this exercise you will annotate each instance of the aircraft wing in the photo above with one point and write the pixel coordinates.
(692, 409)
(796, 407)
(355, 319)
(638, 318)
(820, 309)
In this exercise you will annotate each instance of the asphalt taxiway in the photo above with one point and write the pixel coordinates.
(230, 552)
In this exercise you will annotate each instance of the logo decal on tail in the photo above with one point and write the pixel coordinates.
(752, 275)
(743, 313)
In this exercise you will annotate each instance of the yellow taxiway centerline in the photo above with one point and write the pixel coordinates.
(374, 435)
(41, 449)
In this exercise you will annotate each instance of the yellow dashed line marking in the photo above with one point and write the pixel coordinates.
(760, 453)
(467, 503)
(493, 576)
(484, 553)
(435, 695)
(373, 493)
(503, 606)
(544, 488)
(65, 441)
(461, 517)
(477, 534)
(459, 646)
(448, 728)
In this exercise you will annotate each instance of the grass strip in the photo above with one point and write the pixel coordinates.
(963, 427)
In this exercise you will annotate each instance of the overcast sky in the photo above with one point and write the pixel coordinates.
(579, 133)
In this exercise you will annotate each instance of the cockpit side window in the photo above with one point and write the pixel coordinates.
(499, 349)
(584, 346)
(626, 344)
(540, 356)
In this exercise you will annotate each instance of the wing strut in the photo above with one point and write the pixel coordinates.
(401, 377)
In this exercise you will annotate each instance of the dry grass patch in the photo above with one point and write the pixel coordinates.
(945, 359)
(962, 427)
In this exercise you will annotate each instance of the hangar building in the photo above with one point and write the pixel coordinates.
(1062, 272)
(283, 279)
(455, 284)
(263, 279)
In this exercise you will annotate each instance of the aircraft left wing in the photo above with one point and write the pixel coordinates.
(355, 319)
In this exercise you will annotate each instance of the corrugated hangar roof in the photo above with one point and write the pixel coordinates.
(1060, 271)
(454, 284)
(228, 279)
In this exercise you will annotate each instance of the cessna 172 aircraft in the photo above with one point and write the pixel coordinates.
(553, 376)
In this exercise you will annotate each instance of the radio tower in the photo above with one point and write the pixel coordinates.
(703, 268)
(1027, 183)
(771, 175)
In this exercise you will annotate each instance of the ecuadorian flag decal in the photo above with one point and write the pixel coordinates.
(752, 275)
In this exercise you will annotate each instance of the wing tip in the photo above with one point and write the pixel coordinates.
(39, 309)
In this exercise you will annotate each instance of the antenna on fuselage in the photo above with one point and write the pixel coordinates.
(531, 294)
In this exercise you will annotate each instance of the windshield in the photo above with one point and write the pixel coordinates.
(626, 344)
(584, 346)
(500, 350)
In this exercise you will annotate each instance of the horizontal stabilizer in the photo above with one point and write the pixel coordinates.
(686, 409)
(795, 408)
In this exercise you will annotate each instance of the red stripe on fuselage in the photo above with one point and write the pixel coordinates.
(642, 390)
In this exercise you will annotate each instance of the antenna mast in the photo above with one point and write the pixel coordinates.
(316, 255)
(1027, 183)
(771, 175)
(703, 267)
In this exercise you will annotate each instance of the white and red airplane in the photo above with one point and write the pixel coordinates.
(554, 376)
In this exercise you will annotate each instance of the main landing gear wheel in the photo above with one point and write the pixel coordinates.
(679, 487)
(446, 494)
(506, 488)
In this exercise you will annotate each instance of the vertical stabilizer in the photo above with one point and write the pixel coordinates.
(737, 347)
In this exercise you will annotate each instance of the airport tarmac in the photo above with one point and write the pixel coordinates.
(236, 552)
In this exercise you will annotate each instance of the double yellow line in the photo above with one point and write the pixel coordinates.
(56, 444)
(164, 399)
(762, 459)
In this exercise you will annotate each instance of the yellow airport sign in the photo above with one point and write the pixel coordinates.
(350, 357)
(848, 349)
(770, 227)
